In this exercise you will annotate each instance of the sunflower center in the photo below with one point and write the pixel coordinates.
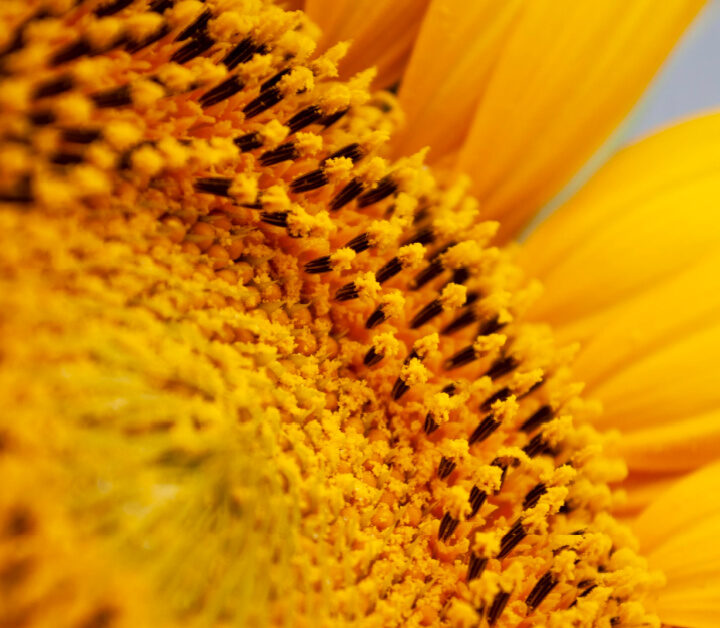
(265, 367)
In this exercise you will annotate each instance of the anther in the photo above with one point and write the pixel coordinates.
(447, 526)
(497, 607)
(115, 97)
(196, 27)
(422, 236)
(195, 47)
(461, 358)
(534, 495)
(445, 468)
(468, 317)
(430, 424)
(70, 52)
(500, 395)
(543, 415)
(477, 499)
(284, 152)
(484, 430)
(219, 186)
(372, 357)
(80, 136)
(248, 142)
(112, 7)
(353, 151)
(502, 366)
(319, 265)
(511, 539)
(263, 102)
(377, 317)
(359, 243)
(347, 194)
(347, 292)
(221, 92)
(389, 270)
(537, 446)
(310, 181)
(277, 219)
(54, 86)
(275, 79)
(432, 270)
(430, 311)
(331, 119)
(475, 567)
(240, 53)
(385, 187)
(304, 118)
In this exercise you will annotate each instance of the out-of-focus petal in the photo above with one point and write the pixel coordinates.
(382, 33)
(678, 534)
(631, 268)
(533, 88)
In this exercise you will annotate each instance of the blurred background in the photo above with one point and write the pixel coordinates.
(689, 82)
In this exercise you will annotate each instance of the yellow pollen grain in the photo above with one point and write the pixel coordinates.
(453, 296)
(342, 258)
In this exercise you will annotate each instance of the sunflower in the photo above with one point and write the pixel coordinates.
(268, 361)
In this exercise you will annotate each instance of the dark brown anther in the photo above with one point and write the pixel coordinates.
(198, 26)
(309, 181)
(276, 219)
(195, 47)
(432, 270)
(477, 499)
(484, 430)
(115, 97)
(111, 8)
(537, 446)
(347, 194)
(353, 152)
(223, 91)
(475, 567)
(268, 98)
(284, 152)
(490, 327)
(377, 317)
(446, 467)
(67, 159)
(42, 117)
(219, 186)
(534, 495)
(54, 86)
(511, 539)
(500, 395)
(389, 270)
(503, 466)
(359, 243)
(502, 366)
(543, 415)
(304, 117)
(399, 389)
(347, 292)
(425, 315)
(422, 236)
(468, 317)
(240, 53)
(461, 358)
(447, 526)
(331, 119)
(385, 187)
(248, 142)
(319, 265)
(450, 389)
(497, 607)
(275, 79)
(430, 424)
(372, 357)
(70, 52)
(80, 136)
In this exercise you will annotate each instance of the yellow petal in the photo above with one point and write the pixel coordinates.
(382, 33)
(678, 534)
(548, 80)
(631, 269)
(457, 49)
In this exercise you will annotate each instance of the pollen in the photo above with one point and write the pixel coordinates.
(256, 371)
